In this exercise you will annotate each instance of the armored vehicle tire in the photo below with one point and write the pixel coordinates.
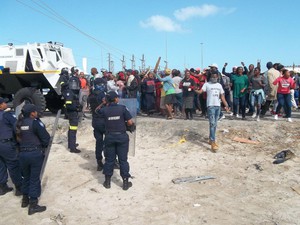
(30, 95)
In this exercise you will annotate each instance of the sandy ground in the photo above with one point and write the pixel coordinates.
(247, 189)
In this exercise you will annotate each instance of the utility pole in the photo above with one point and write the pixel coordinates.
(111, 68)
(143, 63)
(123, 63)
(132, 63)
(109, 61)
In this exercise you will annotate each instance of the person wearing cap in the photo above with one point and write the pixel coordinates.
(214, 92)
(8, 153)
(117, 118)
(168, 86)
(97, 101)
(32, 138)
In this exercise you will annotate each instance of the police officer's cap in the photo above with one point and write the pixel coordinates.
(2, 100)
(29, 108)
(110, 96)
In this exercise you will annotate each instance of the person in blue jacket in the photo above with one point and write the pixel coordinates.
(8, 154)
(32, 138)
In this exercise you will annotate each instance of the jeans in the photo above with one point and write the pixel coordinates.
(228, 97)
(178, 104)
(213, 115)
(284, 100)
(239, 102)
(255, 99)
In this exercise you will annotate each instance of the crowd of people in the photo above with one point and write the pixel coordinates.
(245, 91)
(171, 93)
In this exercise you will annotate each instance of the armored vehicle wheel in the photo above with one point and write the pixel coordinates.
(30, 95)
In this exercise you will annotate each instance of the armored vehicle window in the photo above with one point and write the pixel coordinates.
(19, 52)
(40, 52)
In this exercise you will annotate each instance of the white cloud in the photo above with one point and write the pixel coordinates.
(200, 11)
(161, 23)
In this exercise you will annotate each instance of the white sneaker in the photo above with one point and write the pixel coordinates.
(237, 116)
(254, 115)
(257, 119)
(289, 119)
(276, 117)
(231, 114)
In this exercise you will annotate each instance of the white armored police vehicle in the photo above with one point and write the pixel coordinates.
(31, 73)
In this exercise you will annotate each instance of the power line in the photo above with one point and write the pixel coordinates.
(60, 19)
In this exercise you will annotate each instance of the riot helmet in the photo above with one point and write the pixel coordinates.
(64, 71)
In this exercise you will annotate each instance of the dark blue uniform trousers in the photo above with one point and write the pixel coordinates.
(10, 162)
(73, 125)
(116, 145)
(31, 165)
(99, 131)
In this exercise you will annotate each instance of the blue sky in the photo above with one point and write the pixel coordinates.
(230, 30)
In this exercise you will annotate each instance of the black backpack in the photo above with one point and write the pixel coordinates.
(74, 83)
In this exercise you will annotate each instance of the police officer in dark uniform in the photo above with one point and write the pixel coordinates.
(8, 153)
(32, 138)
(117, 117)
(64, 79)
(96, 100)
(72, 108)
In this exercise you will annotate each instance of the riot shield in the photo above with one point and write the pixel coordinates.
(18, 109)
(131, 104)
(83, 95)
(47, 151)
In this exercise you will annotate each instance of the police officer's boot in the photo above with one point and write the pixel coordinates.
(75, 150)
(100, 165)
(4, 189)
(106, 183)
(126, 184)
(34, 207)
(25, 201)
(18, 191)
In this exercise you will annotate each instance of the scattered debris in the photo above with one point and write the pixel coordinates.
(225, 131)
(196, 205)
(87, 156)
(258, 167)
(283, 156)
(94, 190)
(191, 179)
(244, 140)
(182, 140)
(59, 219)
(296, 189)
(80, 185)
